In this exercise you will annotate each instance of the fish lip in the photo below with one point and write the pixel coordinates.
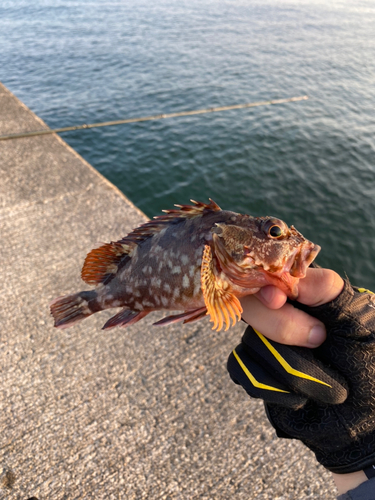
(305, 257)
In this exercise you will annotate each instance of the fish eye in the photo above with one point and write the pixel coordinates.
(274, 228)
(275, 231)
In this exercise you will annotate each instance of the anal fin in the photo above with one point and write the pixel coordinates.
(125, 318)
(186, 317)
(222, 305)
(198, 316)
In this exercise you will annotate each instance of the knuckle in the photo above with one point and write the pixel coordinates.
(293, 328)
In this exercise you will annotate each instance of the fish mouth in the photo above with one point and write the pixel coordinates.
(303, 260)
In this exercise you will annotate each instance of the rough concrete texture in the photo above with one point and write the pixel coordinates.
(137, 413)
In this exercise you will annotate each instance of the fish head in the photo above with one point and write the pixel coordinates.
(263, 251)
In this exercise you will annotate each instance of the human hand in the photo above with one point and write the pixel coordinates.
(268, 312)
(341, 432)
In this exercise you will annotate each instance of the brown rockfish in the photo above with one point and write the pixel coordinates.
(198, 259)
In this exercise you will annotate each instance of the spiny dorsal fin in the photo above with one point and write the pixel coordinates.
(189, 211)
(102, 262)
(148, 229)
(221, 303)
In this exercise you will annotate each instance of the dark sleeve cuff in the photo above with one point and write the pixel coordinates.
(365, 491)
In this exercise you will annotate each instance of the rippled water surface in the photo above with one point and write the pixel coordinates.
(310, 163)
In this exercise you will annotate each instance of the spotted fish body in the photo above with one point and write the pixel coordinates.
(198, 259)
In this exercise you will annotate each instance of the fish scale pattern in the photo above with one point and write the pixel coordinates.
(197, 259)
(341, 436)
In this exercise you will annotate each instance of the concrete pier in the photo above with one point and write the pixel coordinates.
(137, 413)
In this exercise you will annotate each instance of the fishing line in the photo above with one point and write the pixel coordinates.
(149, 118)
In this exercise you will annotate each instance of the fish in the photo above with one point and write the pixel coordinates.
(196, 258)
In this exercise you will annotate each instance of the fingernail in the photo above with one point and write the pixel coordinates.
(316, 336)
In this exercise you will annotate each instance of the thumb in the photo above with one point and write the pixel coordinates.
(319, 287)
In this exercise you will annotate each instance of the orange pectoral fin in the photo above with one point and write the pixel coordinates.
(221, 304)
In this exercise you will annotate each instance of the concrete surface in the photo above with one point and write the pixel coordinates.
(141, 413)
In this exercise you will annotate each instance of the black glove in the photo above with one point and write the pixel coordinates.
(326, 396)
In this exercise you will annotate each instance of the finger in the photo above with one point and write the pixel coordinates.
(295, 367)
(272, 297)
(260, 381)
(286, 325)
(319, 287)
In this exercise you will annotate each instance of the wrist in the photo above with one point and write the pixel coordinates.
(346, 482)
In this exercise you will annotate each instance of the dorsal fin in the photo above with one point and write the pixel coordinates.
(152, 227)
(189, 211)
(102, 262)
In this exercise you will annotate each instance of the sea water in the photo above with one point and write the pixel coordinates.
(310, 163)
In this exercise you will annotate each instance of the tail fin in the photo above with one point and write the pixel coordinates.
(71, 309)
